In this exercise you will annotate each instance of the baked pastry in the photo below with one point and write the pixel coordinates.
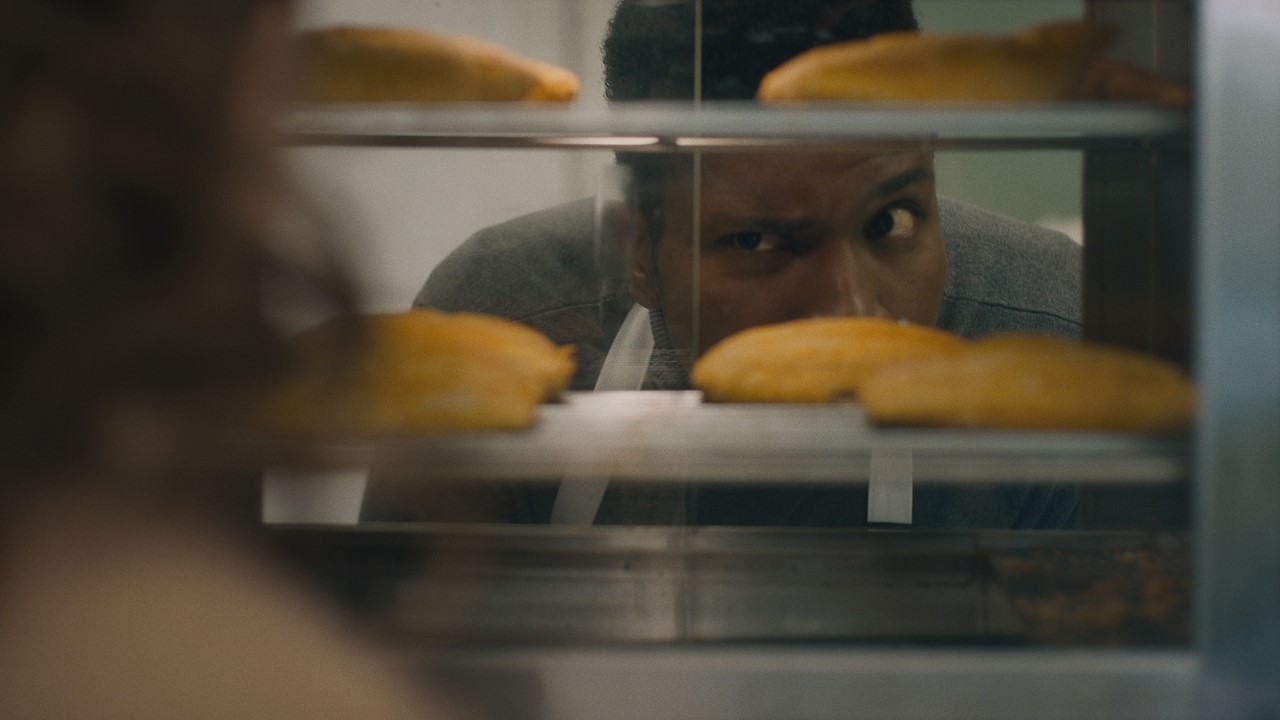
(1042, 63)
(813, 360)
(424, 371)
(1109, 79)
(1024, 381)
(381, 64)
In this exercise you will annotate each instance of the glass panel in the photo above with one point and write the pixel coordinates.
(1005, 537)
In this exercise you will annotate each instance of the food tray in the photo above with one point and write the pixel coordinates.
(731, 126)
(674, 436)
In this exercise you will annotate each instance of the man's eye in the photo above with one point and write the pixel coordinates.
(891, 223)
(751, 241)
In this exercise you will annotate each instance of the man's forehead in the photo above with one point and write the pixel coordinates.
(777, 173)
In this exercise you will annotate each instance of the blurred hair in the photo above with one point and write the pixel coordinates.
(649, 54)
(137, 234)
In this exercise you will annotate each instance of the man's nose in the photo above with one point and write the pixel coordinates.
(842, 283)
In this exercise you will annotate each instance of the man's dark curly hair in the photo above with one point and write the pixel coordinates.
(649, 49)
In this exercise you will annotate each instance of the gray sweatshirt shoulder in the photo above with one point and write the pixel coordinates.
(539, 269)
(1007, 275)
(521, 268)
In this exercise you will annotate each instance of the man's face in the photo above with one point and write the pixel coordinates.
(792, 236)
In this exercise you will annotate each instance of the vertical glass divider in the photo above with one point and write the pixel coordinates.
(696, 200)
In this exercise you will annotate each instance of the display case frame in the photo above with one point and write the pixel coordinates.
(1231, 669)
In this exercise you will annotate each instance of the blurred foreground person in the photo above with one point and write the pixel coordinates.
(142, 223)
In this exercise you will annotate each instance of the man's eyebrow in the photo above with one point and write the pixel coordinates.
(773, 225)
(782, 226)
(899, 182)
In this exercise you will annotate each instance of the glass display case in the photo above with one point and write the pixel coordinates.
(1163, 601)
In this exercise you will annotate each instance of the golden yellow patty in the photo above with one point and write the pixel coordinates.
(1034, 382)
(811, 361)
(1042, 63)
(425, 371)
(1115, 80)
(379, 64)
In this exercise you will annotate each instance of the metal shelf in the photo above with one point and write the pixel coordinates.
(731, 126)
(509, 585)
(673, 436)
(620, 622)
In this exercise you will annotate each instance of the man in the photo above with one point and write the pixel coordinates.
(781, 235)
